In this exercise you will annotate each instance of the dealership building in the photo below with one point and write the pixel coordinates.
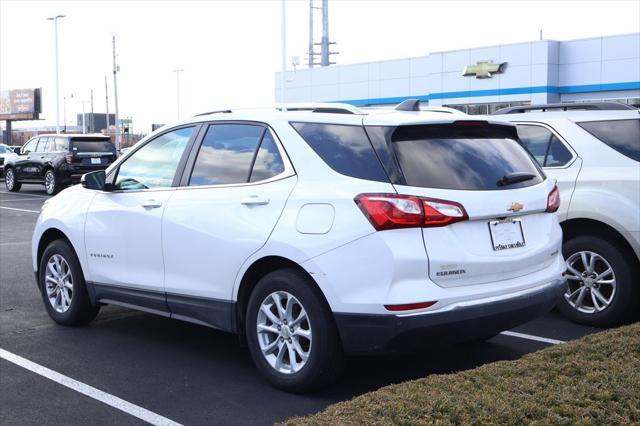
(483, 79)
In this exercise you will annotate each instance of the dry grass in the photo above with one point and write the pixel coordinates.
(594, 380)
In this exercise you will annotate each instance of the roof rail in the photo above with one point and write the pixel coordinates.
(584, 106)
(220, 111)
(321, 107)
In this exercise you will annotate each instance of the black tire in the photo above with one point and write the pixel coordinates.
(55, 186)
(625, 303)
(80, 310)
(11, 184)
(325, 361)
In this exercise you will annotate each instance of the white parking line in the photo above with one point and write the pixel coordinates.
(532, 337)
(20, 210)
(90, 391)
(15, 243)
(19, 199)
(23, 194)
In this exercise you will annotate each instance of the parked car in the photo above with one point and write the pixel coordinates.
(312, 233)
(58, 160)
(6, 153)
(593, 151)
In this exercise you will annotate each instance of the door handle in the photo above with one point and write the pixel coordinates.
(151, 204)
(254, 200)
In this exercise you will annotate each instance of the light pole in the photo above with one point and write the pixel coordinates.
(283, 51)
(178, 71)
(55, 41)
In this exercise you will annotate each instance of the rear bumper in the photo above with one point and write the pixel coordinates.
(68, 175)
(368, 333)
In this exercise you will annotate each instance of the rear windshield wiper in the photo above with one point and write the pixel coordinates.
(515, 177)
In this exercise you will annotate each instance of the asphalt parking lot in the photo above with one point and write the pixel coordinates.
(175, 371)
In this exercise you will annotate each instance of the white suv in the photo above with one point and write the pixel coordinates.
(593, 151)
(312, 232)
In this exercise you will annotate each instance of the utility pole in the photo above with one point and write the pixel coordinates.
(55, 41)
(116, 68)
(92, 122)
(178, 71)
(283, 51)
(106, 97)
(311, 54)
(324, 47)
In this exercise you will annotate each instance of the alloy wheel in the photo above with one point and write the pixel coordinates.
(49, 182)
(591, 282)
(9, 179)
(59, 283)
(284, 332)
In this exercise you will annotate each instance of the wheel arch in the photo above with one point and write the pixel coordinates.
(47, 237)
(582, 226)
(254, 273)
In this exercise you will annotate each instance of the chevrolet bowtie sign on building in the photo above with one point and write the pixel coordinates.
(484, 69)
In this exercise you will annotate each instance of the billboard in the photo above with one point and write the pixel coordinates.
(20, 104)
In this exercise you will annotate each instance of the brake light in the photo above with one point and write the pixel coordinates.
(69, 158)
(393, 211)
(409, 306)
(553, 200)
(470, 123)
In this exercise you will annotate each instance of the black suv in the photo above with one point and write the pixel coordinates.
(58, 160)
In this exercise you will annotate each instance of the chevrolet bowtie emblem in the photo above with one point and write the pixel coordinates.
(516, 207)
(484, 69)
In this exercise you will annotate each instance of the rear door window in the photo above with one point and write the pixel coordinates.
(268, 162)
(344, 148)
(226, 154)
(462, 157)
(621, 135)
(544, 145)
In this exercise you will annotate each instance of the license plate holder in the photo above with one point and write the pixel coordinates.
(506, 234)
(96, 160)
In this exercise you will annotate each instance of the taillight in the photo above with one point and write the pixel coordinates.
(442, 212)
(553, 200)
(393, 211)
(69, 158)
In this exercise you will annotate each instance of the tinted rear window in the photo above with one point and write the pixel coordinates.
(621, 135)
(346, 149)
(92, 145)
(462, 158)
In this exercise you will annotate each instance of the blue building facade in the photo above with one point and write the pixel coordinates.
(481, 80)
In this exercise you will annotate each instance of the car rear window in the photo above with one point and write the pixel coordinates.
(92, 145)
(345, 148)
(621, 135)
(462, 157)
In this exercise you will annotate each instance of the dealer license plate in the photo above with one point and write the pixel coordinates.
(506, 234)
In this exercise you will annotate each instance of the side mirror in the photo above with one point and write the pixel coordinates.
(96, 180)
(25, 152)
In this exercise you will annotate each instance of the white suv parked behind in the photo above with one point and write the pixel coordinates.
(312, 232)
(593, 151)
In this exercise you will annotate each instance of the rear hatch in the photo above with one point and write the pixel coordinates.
(92, 152)
(479, 172)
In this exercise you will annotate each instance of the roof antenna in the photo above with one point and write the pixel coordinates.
(408, 105)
